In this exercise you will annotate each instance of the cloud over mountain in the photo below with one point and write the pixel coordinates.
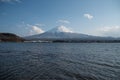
(60, 29)
(89, 16)
(37, 30)
(110, 31)
(63, 21)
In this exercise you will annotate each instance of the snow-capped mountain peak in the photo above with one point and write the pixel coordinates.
(60, 29)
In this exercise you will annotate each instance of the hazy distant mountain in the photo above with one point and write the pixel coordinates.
(9, 37)
(62, 33)
(58, 33)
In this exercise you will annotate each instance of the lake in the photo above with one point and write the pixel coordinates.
(59, 61)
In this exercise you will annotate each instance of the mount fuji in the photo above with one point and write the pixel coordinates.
(59, 32)
(63, 34)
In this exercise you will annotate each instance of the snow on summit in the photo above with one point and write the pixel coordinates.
(60, 29)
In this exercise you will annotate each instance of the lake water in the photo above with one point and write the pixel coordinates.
(59, 61)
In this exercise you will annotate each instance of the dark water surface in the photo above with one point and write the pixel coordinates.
(59, 61)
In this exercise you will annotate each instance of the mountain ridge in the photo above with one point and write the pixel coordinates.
(63, 34)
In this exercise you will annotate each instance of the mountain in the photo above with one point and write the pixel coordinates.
(9, 37)
(59, 32)
(63, 34)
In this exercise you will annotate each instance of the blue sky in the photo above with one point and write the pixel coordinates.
(29, 17)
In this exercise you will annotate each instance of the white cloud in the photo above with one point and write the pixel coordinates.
(113, 31)
(89, 16)
(39, 24)
(30, 29)
(10, 1)
(63, 21)
(37, 30)
(63, 29)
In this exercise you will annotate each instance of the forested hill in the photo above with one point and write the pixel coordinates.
(10, 37)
